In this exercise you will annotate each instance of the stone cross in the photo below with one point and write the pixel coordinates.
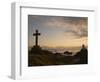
(36, 37)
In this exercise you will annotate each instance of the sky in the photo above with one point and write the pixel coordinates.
(58, 31)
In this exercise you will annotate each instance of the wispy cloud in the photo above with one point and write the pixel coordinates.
(75, 27)
(55, 27)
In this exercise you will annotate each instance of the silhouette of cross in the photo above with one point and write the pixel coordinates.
(36, 37)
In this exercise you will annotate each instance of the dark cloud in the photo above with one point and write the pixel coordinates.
(77, 26)
(77, 34)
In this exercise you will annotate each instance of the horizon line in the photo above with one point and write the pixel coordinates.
(58, 46)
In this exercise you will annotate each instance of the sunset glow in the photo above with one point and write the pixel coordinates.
(58, 31)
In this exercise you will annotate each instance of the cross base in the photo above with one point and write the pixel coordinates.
(36, 49)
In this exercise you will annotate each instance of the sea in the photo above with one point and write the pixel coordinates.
(62, 49)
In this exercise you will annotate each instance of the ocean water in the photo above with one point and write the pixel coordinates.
(63, 49)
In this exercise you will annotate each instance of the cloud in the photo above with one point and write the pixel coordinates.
(77, 33)
(75, 27)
